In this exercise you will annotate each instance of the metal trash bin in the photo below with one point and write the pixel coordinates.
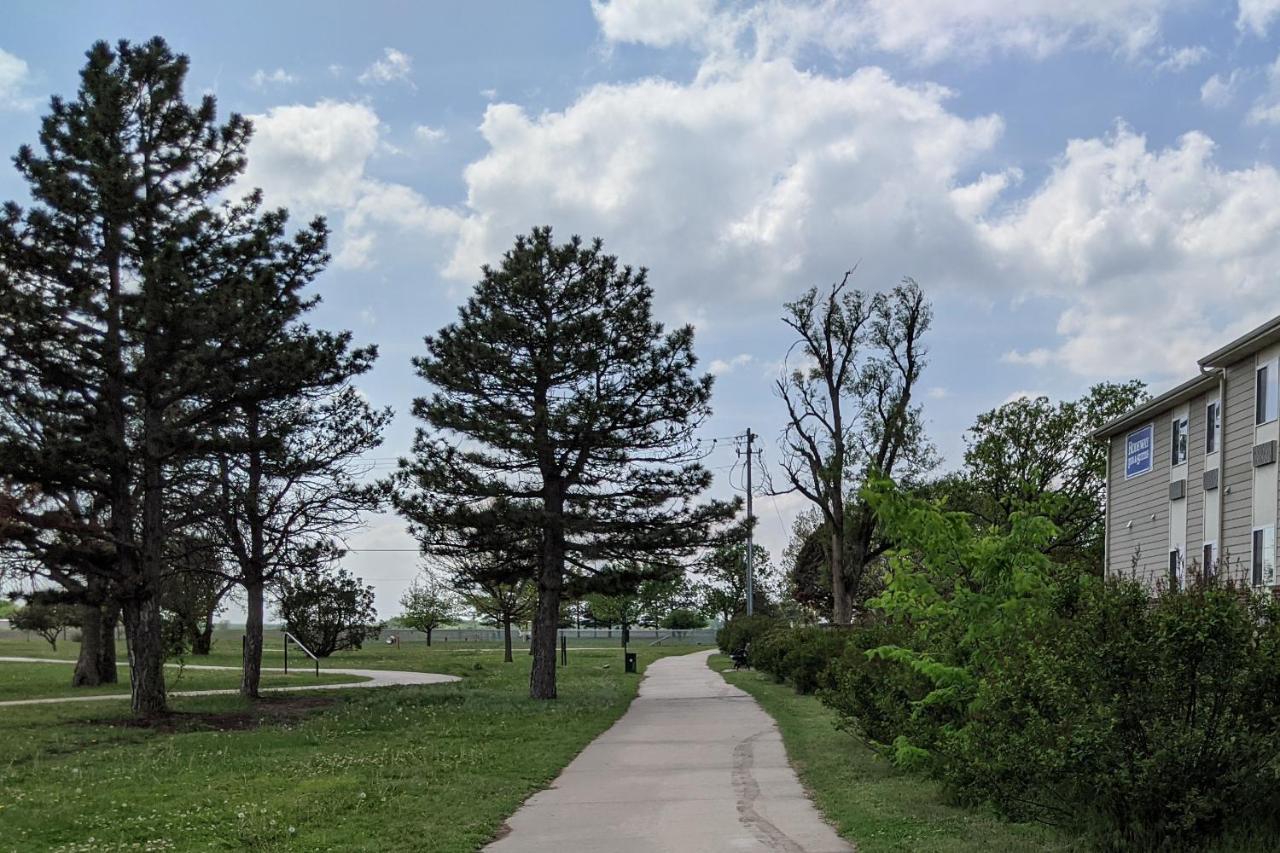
(630, 661)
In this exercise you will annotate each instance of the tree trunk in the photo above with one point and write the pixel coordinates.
(146, 655)
(546, 618)
(506, 635)
(428, 638)
(107, 648)
(88, 672)
(839, 597)
(251, 677)
(202, 641)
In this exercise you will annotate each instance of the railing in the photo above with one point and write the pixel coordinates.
(287, 638)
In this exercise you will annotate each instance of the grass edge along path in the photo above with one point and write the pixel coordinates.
(436, 768)
(870, 803)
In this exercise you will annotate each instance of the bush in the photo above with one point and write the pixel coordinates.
(875, 698)
(743, 632)
(1147, 723)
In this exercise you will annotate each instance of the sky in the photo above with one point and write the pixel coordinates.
(1086, 190)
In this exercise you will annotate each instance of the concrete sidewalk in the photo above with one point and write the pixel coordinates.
(694, 765)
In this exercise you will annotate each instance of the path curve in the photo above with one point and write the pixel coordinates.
(376, 678)
(694, 765)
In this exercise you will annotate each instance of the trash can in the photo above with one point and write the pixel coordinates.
(630, 661)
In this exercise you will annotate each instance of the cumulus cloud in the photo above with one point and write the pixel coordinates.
(1152, 253)
(1219, 91)
(262, 79)
(14, 75)
(760, 180)
(314, 159)
(924, 30)
(658, 23)
(1255, 16)
(394, 66)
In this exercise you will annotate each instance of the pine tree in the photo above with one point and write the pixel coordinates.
(561, 407)
(130, 302)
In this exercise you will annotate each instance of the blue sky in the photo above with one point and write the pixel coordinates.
(1087, 189)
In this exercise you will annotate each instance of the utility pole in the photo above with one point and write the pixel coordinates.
(750, 531)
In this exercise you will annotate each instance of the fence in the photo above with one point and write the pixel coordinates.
(574, 636)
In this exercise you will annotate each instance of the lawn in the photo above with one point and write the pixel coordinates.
(52, 680)
(431, 768)
(869, 802)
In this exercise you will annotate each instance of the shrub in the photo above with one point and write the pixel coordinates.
(743, 632)
(1148, 723)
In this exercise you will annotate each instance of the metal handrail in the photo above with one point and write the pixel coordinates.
(287, 638)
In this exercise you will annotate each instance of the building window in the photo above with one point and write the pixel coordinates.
(1179, 441)
(1212, 423)
(1265, 401)
(1210, 566)
(1177, 577)
(1264, 556)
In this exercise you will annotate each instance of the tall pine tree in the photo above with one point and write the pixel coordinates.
(130, 301)
(561, 407)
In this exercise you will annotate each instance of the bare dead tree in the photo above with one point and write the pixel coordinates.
(850, 415)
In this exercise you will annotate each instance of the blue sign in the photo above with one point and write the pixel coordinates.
(1138, 452)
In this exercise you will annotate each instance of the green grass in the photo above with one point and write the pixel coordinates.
(431, 768)
(46, 681)
(869, 802)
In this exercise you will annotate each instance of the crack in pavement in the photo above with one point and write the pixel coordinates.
(748, 791)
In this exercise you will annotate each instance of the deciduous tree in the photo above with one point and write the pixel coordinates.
(851, 415)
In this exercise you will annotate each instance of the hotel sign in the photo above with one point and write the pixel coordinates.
(1139, 452)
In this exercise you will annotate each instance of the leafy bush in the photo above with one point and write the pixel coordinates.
(1150, 724)
(743, 632)
(799, 655)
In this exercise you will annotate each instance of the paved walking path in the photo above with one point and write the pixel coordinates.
(694, 766)
(375, 678)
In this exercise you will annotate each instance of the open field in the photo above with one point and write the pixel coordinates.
(872, 804)
(434, 768)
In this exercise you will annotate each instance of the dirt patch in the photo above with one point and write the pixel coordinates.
(263, 711)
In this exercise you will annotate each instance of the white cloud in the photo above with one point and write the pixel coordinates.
(937, 393)
(395, 65)
(1154, 254)
(262, 79)
(925, 30)
(1256, 15)
(1037, 357)
(314, 159)
(1219, 91)
(1180, 59)
(720, 366)
(426, 133)
(1266, 109)
(658, 23)
(14, 75)
(489, 94)
(763, 179)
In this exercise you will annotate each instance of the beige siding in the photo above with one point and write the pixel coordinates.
(1237, 471)
(1144, 501)
(1195, 481)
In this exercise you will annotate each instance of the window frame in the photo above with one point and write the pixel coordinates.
(1177, 569)
(1266, 406)
(1209, 553)
(1212, 426)
(1257, 567)
(1178, 428)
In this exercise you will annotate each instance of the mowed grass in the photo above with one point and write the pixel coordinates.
(431, 768)
(869, 802)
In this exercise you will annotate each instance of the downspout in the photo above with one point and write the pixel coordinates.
(1222, 468)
